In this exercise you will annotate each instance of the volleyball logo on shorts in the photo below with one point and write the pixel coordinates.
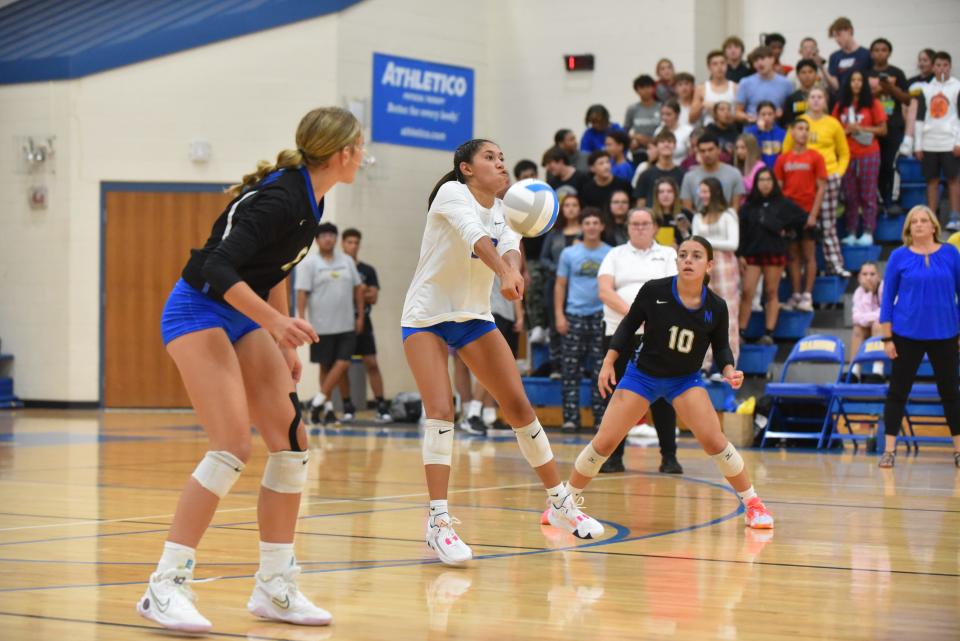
(530, 207)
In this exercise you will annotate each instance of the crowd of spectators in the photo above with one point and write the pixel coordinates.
(761, 158)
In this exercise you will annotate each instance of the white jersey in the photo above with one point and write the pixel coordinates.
(938, 122)
(631, 268)
(451, 283)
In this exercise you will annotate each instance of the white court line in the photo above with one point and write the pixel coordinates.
(304, 503)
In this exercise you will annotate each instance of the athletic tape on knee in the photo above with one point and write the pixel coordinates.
(218, 471)
(286, 472)
(729, 461)
(295, 423)
(534, 444)
(437, 442)
(589, 461)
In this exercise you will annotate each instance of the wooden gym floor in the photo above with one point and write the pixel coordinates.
(858, 552)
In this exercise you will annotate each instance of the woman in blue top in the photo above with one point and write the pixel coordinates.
(920, 314)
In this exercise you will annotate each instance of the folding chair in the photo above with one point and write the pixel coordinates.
(859, 399)
(811, 350)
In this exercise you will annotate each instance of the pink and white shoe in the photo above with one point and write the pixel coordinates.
(442, 539)
(757, 515)
(568, 517)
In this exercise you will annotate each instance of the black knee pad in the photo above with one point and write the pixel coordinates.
(295, 423)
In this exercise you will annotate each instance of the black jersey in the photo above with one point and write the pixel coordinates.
(675, 337)
(369, 277)
(261, 235)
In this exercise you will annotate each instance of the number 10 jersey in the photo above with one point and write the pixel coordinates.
(675, 337)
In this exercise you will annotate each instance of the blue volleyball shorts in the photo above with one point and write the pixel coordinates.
(187, 311)
(653, 387)
(455, 335)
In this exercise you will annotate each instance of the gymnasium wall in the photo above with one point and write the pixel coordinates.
(534, 95)
(35, 293)
(245, 96)
(133, 124)
(388, 201)
(909, 25)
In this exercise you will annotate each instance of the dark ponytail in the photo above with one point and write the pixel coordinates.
(464, 153)
(708, 248)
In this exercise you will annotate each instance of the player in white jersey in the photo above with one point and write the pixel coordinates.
(465, 243)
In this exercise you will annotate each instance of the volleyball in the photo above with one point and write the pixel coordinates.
(530, 207)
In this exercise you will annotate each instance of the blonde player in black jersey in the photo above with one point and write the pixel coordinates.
(681, 318)
(226, 326)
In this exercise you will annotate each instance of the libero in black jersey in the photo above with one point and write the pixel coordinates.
(675, 337)
(681, 318)
(261, 235)
(228, 329)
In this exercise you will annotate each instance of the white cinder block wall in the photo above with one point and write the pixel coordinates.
(388, 201)
(36, 302)
(245, 96)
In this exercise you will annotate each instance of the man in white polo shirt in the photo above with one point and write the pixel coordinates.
(622, 273)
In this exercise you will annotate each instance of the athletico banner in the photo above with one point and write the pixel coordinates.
(421, 104)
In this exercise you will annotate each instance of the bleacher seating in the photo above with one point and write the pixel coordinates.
(853, 256)
(755, 360)
(791, 325)
(826, 290)
(889, 228)
(548, 392)
(913, 188)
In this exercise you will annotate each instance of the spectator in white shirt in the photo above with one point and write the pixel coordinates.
(622, 273)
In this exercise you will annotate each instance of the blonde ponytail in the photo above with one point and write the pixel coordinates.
(320, 134)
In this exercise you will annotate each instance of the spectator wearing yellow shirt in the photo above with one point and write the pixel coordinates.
(955, 239)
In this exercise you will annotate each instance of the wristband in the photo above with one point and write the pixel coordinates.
(887, 339)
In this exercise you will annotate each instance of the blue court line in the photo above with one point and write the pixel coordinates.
(621, 535)
(621, 532)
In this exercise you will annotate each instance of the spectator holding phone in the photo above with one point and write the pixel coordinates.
(889, 85)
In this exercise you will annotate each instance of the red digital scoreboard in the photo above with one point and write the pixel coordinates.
(579, 62)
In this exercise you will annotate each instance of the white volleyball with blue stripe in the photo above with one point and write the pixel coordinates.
(531, 207)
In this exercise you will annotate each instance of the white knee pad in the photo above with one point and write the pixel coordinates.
(286, 472)
(218, 471)
(729, 461)
(437, 442)
(589, 461)
(534, 444)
